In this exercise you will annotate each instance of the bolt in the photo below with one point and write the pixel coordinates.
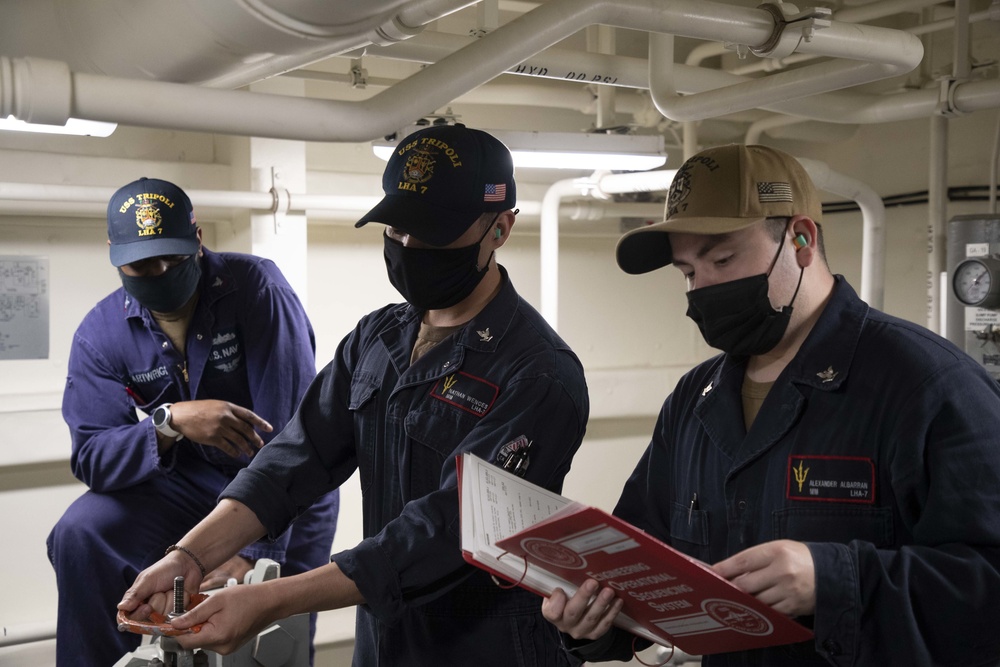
(178, 598)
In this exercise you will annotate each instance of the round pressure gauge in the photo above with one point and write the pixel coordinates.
(977, 282)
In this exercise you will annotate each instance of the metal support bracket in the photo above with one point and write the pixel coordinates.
(946, 98)
(359, 75)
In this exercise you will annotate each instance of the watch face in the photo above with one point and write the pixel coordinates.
(972, 282)
(160, 416)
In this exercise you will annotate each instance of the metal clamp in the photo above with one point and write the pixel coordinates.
(946, 98)
(782, 41)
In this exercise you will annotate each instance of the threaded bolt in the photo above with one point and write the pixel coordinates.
(178, 598)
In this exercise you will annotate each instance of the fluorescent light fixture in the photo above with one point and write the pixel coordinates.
(87, 128)
(570, 150)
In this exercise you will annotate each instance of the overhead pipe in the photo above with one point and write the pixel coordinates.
(327, 41)
(46, 91)
(39, 199)
(887, 53)
(844, 107)
(552, 63)
(757, 128)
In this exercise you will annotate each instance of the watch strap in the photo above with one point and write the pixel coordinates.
(164, 427)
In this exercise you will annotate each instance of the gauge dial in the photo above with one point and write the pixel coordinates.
(977, 282)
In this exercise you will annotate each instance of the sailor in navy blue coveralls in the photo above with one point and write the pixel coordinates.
(249, 343)
(503, 378)
(839, 464)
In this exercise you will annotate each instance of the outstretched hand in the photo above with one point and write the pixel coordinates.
(219, 424)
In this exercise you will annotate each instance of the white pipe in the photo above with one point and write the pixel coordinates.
(873, 225)
(937, 211)
(994, 168)
(868, 12)
(887, 52)
(549, 243)
(39, 199)
(881, 9)
(27, 633)
(553, 63)
(600, 184)
(759, 127)
(49, 90)
(839, 107)
(639, 181)
(324, 42)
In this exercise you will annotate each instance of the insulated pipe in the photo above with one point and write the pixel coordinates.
(27, 633)
(549, 243)
(553, 63)
(937, 211)
(759, 127)
(600, 184)
(94, 97)
(873, 225)
(889, 52)
(86, 201)
(994, 169)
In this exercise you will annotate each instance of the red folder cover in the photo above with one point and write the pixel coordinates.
(542, 541)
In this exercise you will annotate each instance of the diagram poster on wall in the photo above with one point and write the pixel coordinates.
(24, 307)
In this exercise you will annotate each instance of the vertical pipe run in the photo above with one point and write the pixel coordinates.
(937, 210)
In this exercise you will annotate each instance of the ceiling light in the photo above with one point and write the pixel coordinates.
(570, 150)
(87, 128)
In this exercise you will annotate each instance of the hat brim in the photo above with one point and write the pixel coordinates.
(648, 248)
(126, 253)
(431, 224)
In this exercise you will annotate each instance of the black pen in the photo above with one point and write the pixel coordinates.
(692, 507)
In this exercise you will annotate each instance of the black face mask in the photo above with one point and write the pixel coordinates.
(434, 278)
(737, 317)
(168, 291)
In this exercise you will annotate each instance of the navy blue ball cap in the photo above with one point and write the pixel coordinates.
(440, 179)
(150, 218)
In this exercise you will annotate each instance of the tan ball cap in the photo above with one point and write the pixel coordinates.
(722, 190)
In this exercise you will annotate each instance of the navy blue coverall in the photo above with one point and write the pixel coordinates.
(249, 343)
(505, 375)
(878, 447)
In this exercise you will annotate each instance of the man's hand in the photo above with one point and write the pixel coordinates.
(219, 424)
(234, 568)
(780, 574)
(229, 618)
(587, 615)
(153, 589)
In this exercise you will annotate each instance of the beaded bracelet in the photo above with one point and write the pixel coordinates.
(177, 547)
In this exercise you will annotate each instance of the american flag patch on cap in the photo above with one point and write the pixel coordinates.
(771, 192)
(495, 192)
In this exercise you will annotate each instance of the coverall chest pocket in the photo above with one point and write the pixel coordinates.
(434, 440)
(689, 531)
(835, 523)
(364, 407)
